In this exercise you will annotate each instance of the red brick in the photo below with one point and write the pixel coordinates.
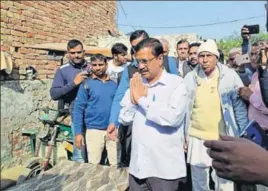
(29, 35)
(5, 31)
(4, 48)
(4, 6)
(4, 19)
(17, 44)
(27, 14)
(17, 55)
(16, 33)
(20, 28)
(27, 3)
(40, 67)
(24, 50)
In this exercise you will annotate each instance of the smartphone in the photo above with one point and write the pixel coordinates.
(256, 134)
(253, 29)
(242, 59)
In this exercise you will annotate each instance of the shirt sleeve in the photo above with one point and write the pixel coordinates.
(128, 110)
(120, 92)
(256, 97)
(171, 114)
(80, 104)
(58, 88)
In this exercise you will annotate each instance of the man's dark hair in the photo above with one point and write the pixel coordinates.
(119, 48)
(194, 44)
(73, 43)
(155, 44)
(100, 57)
(255, 44)
(221, 58)
(138, 33)
(183, 41)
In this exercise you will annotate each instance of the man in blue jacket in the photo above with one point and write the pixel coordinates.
(67, 79)
(170, 65)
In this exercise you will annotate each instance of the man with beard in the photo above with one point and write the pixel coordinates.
(192, 59)
(156, 104)
(66, 82)
(92, 107)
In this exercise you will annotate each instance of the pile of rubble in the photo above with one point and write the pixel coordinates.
(69, 176)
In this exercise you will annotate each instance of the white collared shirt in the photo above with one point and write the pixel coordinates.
(157, 131)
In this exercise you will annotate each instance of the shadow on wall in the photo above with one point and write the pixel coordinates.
(14, 85)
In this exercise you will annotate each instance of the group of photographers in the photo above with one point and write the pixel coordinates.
(165, 106)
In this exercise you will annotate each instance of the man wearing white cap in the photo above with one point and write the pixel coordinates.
(214, 108)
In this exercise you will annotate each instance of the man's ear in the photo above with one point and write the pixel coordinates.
(160, 59)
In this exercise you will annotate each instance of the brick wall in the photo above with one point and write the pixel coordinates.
(35, 22)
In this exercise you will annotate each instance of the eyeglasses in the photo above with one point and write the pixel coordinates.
(78, 52)
(144, 61)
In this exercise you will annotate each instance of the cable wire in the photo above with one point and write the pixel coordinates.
(195, 25)
(126, 15)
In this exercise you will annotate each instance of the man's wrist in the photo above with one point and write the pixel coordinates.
(143, 103)
(261, 168)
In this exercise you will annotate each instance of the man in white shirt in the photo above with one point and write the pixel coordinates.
(156, 104)
(116, 65)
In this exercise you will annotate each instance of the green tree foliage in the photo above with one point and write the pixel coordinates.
(235, 40)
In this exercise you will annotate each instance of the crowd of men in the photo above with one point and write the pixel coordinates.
(176, 122)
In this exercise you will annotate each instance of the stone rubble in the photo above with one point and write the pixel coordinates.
(70, 176)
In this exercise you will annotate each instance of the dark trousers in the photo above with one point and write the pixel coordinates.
(124, 150)
(154, 184)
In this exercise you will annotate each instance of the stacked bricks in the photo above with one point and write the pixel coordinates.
(36, 22)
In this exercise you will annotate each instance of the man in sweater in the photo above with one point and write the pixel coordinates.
(92, 108)
(214, 108)
(66, 82)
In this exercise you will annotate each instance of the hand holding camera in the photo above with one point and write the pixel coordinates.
(247, 30)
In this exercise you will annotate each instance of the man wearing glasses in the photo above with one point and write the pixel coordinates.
(67, 79)
(156, 105)
(169, 63)
(214, 108)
